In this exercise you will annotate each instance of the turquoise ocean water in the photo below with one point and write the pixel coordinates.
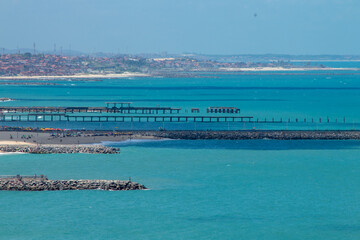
(260, 96)
(257, 189)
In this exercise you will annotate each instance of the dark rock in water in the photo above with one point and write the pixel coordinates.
(43, 184)
(47, 149)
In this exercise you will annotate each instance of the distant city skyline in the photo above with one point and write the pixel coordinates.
(202, 26)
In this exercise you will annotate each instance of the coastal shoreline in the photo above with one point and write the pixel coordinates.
(92, 137)
(69, 137)
(276, 69)
(176, 73)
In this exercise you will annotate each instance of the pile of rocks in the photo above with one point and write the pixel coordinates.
(46, 149)
(261, 134)
(43, 184)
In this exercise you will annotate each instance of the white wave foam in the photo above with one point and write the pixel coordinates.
(132, 141)
(10, 153)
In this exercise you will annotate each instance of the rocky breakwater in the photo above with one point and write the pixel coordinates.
(261, 134)
(43, 184)
(6, 99)
(47, 149)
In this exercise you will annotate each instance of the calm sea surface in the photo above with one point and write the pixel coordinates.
(257, 189)
(265, 96)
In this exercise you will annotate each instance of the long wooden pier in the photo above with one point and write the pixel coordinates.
(42, 117)
(121, 109)
(62, 117)
(124, 112)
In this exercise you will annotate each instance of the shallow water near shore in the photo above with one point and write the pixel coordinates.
(198, 190)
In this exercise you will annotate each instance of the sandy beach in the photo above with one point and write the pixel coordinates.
(43, 138)
(77, 76)
(132, 74)
(44, 142)
(15, 143)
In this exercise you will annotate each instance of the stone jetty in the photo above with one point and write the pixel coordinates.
(31, 183)
(260, 134)
(47, 149)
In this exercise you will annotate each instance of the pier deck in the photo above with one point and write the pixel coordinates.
(42, 117)
(121, 109)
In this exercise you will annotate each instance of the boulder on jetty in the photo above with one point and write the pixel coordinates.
(47, 149)
(23, 183)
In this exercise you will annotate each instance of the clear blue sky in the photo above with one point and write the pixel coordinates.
(177, 26)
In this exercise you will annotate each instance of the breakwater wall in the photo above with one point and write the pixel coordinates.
(30, 184)
(258, 134)
(48, 149)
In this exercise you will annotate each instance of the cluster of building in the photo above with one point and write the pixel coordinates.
(39, 65)
(196, 64)
(28, 64)
(56, 65)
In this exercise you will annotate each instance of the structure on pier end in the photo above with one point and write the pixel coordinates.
(222, 110)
